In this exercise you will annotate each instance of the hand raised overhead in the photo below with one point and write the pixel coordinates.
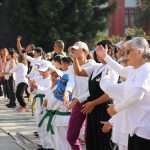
(101, 51)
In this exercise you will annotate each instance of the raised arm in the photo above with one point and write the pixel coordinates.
(78, 69)
(18, 44)
(102, 53)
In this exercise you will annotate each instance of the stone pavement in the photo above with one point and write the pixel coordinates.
(12, 121)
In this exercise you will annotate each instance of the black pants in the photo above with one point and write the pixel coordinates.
(19, 93)
(138, 143)
(11, 90)
(3, 89)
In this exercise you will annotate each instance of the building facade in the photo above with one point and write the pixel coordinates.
(124, 17)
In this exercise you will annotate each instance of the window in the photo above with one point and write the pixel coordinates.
(130, 14)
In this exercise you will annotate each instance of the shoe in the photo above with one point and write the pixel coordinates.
(36, 134)
(41, 148)
(11, 105)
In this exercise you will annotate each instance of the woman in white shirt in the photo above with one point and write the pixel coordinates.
(97, 102)
(136, 91)
(80, 94)
(21, 81)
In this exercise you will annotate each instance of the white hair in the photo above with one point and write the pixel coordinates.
(140, 43)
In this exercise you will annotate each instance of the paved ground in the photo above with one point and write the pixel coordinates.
(12, 121)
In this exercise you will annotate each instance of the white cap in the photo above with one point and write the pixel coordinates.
(80, 44)
(45, 65)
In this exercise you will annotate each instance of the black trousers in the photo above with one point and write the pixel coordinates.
(3, 87)
(138, 143)
(11, 90)
(19, 93)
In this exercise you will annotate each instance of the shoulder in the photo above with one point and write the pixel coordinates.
(144, 70)
(146, 67)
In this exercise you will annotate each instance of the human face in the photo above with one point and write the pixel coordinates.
(4, 52)
(36, 55)
(57, 64)
(99, 54)
(134, 57)
(64, 66)
(56, 48)
(80, 54)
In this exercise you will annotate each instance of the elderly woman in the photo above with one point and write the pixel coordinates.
(136, 103)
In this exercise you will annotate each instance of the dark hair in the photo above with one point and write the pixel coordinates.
(95, 57)
(58, 58)
(31, 54)
(128, 37)
(148, 41)
(105, 42)
(67, 60)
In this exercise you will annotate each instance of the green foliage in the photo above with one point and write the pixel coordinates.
(143, 15)
(104, 35)
(47, 20)
(135, 32)
(132, 32)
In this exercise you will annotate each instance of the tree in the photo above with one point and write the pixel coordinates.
(143, 15)
(44, 21)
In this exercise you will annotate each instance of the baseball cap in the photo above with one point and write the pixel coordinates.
(45, 65)
(80, 45)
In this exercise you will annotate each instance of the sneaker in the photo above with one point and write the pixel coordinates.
(36, 134)
(11, 105)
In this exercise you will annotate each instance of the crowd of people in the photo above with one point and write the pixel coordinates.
(99, 98)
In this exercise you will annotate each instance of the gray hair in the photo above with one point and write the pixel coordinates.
(146, 55)
(141, 44)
